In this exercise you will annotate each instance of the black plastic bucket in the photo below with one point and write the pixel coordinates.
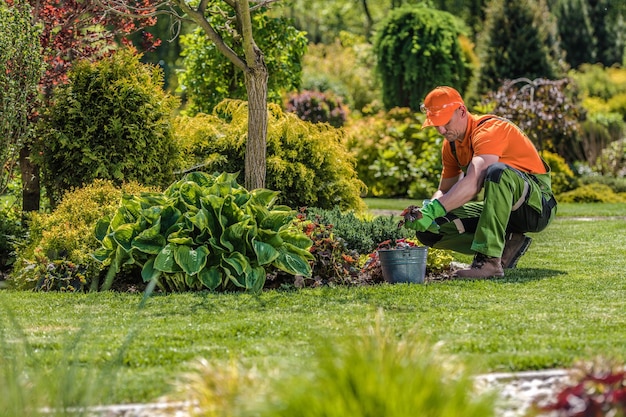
(404, 265)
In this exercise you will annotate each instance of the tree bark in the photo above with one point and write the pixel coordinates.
(31, 189)
(256, 85)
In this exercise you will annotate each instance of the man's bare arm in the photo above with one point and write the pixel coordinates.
(465, 189)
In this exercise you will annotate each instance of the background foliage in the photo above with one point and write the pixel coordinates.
(518, 40)
(344, 67)
(395, 157)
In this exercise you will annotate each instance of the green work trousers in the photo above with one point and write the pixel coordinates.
(514, 201)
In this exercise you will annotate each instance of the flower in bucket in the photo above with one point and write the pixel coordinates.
(439, 261)
(372, 266)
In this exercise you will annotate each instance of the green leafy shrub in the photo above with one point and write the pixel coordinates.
(591, 193)
(394, 156)
(59, 244)
(308, 163)
(317, 107)
(563, 178)
(418, 48)
(111, 121)
(203, 232)
(210, 77)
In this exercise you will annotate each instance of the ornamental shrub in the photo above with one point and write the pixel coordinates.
(548, 112)
(417, 48)
(360, 235)
(395, 157)
(61, 242)
(111, 121)
(317, 107)
(308, 163)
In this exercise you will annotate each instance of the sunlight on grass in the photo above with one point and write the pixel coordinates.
(564, 302)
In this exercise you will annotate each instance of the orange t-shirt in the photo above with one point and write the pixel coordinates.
(495, 136)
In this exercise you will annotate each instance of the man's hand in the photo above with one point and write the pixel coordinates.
(421, 219)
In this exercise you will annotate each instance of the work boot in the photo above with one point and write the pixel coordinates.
(515, 246)
(483, 266)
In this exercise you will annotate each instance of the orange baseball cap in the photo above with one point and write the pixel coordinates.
(439, 106)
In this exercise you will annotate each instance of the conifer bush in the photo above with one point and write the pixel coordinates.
(360, 235)
(111, 121)
(418, 48)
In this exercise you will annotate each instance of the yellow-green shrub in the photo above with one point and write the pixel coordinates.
(308, 163)
(592, 193)
(65, 238)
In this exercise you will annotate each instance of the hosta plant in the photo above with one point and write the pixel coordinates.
(202, 232)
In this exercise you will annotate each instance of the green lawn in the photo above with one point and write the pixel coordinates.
(565, 301)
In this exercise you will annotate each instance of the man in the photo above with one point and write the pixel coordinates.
(482, 152)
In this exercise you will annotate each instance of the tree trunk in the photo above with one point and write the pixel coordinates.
(30, 181)
(256, 86)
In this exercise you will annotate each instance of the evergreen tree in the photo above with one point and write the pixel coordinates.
(607, 18)
(520, 39)
(575, 30)
(417, 48)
